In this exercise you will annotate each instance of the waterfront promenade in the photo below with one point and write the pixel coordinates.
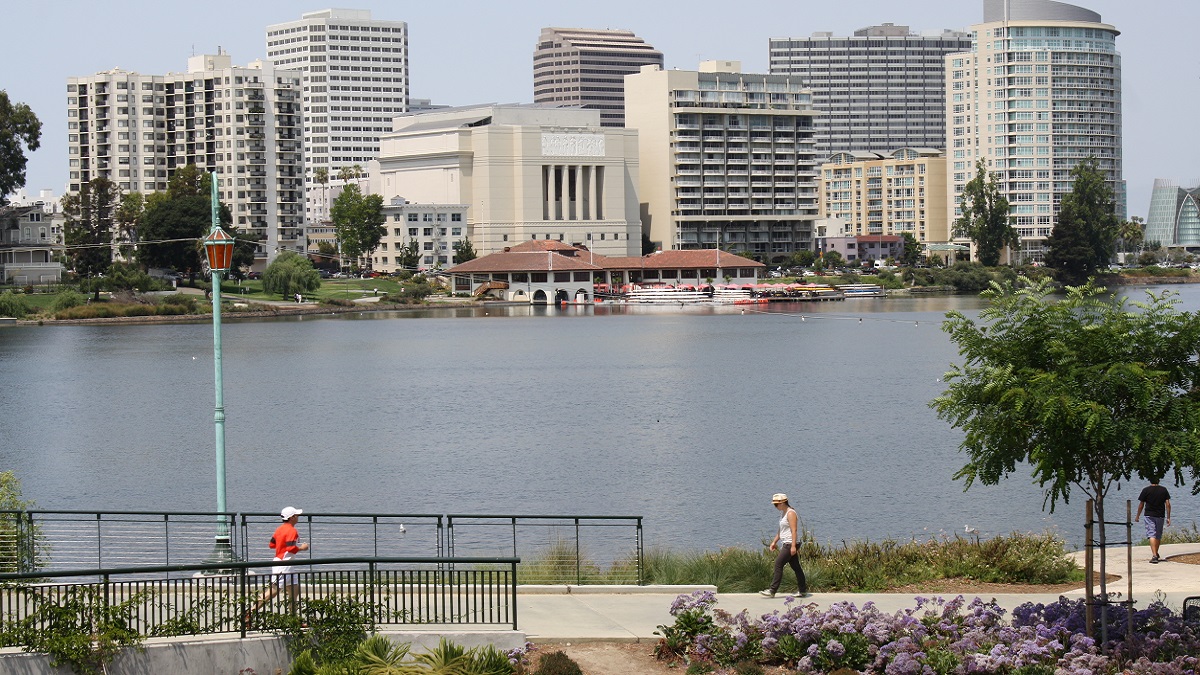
(604, 614)
(595, 614)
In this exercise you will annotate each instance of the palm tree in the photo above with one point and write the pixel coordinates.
(358, 172)
(321, 176)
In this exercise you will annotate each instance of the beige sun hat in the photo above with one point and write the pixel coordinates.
(778, 498)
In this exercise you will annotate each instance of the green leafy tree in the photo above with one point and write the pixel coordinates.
(123, 276)
(1085, 234)
(358, 222)
(129, 215)
(18, 126)
(833, 259)
(22, 548)
(1131, 234)
(88, 232)
(984, 217)
(174, 223)
(1087, 391)
(291, 273)
(912, 250)
(463, 251)
(409, 255)
(802, 259)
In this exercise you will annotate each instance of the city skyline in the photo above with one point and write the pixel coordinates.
(448, 48)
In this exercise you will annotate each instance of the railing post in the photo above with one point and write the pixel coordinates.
(243, 603)
(1089, 594)
(371, 581)
(578, 574)
(641, 563)
(1129, 573)
(512, 584)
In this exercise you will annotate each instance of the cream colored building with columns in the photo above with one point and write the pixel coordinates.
(524, 172)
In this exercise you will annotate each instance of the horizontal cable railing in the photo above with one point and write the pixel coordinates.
(556, 549)
(232, 597)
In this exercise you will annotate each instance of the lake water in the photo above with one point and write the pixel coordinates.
(689, 417)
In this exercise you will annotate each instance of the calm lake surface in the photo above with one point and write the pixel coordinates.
(689, 417)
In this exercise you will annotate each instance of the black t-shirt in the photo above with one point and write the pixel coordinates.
(1155, 497)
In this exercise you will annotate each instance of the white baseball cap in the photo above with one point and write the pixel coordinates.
(290, 511)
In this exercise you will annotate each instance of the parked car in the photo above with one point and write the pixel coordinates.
(254, 275)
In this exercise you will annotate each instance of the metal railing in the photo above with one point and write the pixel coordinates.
(557, 548)
(168, 600)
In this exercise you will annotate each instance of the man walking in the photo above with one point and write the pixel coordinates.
(1157, 502)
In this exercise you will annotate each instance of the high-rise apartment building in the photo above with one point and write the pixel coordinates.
(887, 194)
(354, 71)
(1174, 218)
(726, 159)
(1039, 92)
(883, 87)
(586, 67)
(241, 122)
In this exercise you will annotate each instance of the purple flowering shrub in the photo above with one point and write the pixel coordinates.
(937, 637)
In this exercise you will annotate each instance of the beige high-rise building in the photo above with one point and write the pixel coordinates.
(354, 71)
(1040, 92)
(877, 194)
(522, 172)
(727, 159)
(587, 67)
(241, 122)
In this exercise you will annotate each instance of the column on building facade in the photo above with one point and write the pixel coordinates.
(586, 192)
(560, 179)
(546, 172)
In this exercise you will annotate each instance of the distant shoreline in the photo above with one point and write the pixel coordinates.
(285, 310)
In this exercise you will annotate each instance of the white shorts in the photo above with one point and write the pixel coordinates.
(283, 575)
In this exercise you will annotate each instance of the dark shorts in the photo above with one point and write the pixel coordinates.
(1154, 527)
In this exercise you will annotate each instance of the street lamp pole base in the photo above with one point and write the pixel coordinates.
(222, 552)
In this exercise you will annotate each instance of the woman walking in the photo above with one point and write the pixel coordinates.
(787, 541)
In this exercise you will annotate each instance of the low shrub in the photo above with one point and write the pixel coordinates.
(67, 299)
(335, 302)
(188, 303)
(12, 305)
(557, 663)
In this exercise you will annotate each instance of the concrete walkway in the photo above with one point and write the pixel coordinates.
(632, 614)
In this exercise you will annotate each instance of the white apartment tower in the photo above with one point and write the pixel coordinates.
(241, 122)
(1039, 92)
(726, 159)
(354, 71)
(587, 67)
(883, 87)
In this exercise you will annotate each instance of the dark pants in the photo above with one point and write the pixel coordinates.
(785, 557)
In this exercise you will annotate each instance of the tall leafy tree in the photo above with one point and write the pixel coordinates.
(912, 250)
(409, 255)
(129, 215)
(1085, 234)
(1131, 234)
(984, 217)
(174, 222)
(18, 126)
(358, 222)
(1088, 392)
(291, 273)
(88, 231)
(463, 251)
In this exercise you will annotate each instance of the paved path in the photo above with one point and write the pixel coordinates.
(632, 614)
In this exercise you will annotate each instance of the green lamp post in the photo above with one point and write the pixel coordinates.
(218, 246)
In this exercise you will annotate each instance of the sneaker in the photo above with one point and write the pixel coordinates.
(804, 594)
(768, 593)
(1154, 560)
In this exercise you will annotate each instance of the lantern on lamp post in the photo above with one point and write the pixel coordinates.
(218, 247)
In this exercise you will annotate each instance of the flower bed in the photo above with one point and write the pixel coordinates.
(936, 637)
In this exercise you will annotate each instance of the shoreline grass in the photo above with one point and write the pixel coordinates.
(849, 566)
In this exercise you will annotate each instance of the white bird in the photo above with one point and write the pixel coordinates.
(970, 530)
(402, 530)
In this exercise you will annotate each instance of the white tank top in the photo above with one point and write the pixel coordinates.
(785, 528)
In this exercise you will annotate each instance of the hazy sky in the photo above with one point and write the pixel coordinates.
(481, 52)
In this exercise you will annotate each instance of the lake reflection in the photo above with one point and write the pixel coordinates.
(691, 418)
